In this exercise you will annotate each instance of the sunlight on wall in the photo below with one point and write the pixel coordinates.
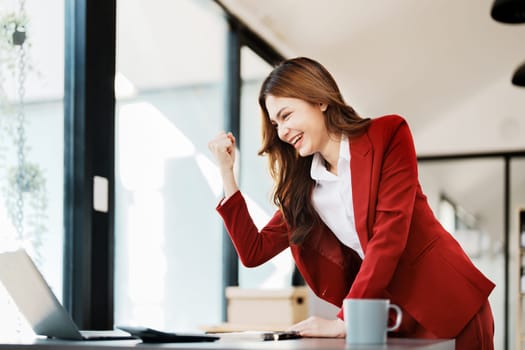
(146, 257)
(124, 88)
(211, 173)
(149, 139)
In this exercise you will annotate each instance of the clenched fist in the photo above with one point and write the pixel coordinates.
(223, 148)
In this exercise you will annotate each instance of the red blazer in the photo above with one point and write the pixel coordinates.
(409, 257)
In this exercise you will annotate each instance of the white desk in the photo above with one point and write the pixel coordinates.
(296, 344)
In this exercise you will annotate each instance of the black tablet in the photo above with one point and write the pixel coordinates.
(149, 335)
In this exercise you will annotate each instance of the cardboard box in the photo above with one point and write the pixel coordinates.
(271, 308)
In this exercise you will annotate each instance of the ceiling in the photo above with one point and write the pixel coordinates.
(446, 65)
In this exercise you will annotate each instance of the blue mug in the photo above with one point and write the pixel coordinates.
(366, 320)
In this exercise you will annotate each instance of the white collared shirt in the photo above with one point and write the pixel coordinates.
(332, 197)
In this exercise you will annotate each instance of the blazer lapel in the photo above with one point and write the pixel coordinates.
(361, 156)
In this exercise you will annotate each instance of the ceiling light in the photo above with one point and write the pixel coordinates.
(508, 11)
(518, 78)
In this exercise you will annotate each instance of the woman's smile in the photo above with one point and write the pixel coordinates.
(299, 123)
(296, 140)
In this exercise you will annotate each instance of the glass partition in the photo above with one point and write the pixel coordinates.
(169, 87)
(467, 196)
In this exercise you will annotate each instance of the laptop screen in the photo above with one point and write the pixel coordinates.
(34, 298)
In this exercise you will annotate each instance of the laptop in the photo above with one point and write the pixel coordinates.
(39, 305)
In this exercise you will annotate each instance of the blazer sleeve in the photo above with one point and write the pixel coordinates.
(396, 184)
(254, 247)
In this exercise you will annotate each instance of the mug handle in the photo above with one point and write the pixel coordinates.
(399, 317)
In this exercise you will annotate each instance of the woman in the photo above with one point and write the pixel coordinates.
(351, 209)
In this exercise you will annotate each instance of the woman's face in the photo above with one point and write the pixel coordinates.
(299, 123)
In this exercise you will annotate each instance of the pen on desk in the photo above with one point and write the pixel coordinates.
(282, 336)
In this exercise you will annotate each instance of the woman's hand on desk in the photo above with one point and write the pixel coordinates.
(320, 327)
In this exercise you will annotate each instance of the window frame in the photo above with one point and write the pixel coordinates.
(89, 142)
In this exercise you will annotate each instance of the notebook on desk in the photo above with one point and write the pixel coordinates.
(39, 305)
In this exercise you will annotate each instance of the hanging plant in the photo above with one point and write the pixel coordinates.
(9, 54)
(26, 193)
(12, 33)
(10, 23)
(12, 36)
(25, 184)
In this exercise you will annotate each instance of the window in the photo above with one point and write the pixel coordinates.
(473, 216)
(169, 87)
(31, 100)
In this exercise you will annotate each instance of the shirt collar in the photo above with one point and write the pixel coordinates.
(318, 169)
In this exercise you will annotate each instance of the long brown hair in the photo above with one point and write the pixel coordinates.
(308, 80)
